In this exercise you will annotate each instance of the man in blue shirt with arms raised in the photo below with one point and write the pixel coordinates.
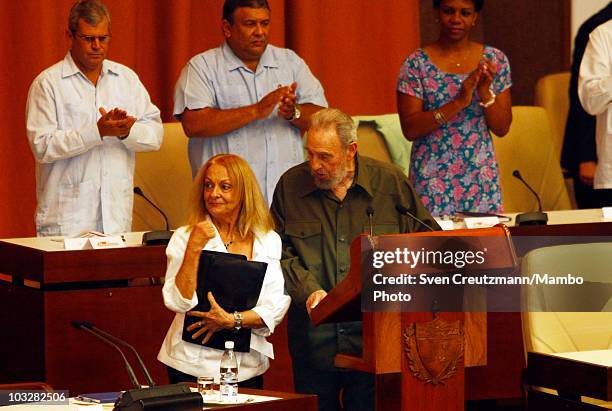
(247, 97)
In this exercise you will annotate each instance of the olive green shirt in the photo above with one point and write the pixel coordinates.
(317, 229)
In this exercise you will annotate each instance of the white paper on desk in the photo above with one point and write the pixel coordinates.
(107, 242)
(445, 225)
(607, 212)
(95, 243)
(77, 244)
(480, 222)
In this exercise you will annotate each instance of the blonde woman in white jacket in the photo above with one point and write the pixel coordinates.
(229, 215)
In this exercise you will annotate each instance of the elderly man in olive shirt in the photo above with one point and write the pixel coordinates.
(320, 206)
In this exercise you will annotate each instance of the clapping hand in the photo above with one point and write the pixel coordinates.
(468, 86)
(286, 109)
(115, 123)
(269, 102)
(488, 70)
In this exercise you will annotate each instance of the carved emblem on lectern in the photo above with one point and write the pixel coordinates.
(434, 349)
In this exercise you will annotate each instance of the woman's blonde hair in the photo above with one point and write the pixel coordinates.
(254, 215)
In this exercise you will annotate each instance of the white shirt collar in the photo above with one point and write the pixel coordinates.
(69, 67)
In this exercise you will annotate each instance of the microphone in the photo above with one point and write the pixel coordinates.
(404, 211)
(157, 237)
(84, 325)
(125, 344)
(534, 217)
(172, 396)
(370, 212)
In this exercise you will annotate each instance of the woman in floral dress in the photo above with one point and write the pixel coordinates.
(450, 94)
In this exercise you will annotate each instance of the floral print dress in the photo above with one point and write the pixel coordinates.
(454, 169)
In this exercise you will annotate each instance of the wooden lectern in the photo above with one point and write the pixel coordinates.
(384, 333)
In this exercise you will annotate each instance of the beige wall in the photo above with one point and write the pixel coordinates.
(582, 10)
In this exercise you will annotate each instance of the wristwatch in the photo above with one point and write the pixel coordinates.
(297, 113)
(237, 321)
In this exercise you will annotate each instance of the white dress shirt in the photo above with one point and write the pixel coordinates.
(198, 360)
(84, 182)
(595, 92)
(217, 78)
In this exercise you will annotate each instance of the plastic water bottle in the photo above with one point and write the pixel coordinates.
(229, 374)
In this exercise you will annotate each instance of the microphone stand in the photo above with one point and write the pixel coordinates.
(84, 325)
(157, 237)
(532, 217)
(370, 212)
(176, 397)
(111, 337)
(404, 211)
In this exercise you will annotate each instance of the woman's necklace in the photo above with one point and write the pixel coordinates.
(229, 242)
(457, 56)
(461, 61)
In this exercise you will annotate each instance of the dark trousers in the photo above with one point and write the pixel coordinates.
(175, 376)
(353, 390)
(587, 197)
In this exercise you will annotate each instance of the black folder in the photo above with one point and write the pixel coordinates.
(236, 284)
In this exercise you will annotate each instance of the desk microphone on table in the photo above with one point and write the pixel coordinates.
(119, 341)
(84, 325)
(404, 211)
(157, 237)
(172, 397)
(370, 213)
(534, 217)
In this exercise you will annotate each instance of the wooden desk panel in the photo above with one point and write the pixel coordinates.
(22, 343)
(279, 376)
(287, 401)
(570, 376)
(76, 360)
(52, 267)
(71, 286)
(586, 229)
(499, 379)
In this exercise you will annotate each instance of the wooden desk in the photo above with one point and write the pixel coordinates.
(44, 288)
(569, 217)
(28, 353)
(574, 375)
(587, 373)
(501, 377)
(287, 401)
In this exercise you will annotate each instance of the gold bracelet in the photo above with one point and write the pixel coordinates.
(439, 117)
(489, 102)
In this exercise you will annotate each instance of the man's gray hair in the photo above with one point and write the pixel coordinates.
(342, 123)
(92, 11)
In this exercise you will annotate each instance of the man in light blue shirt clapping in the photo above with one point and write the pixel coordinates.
(247, 97)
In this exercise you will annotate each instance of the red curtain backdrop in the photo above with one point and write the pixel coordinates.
(354, 47)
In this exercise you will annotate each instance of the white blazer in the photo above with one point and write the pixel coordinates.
(197, 360)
